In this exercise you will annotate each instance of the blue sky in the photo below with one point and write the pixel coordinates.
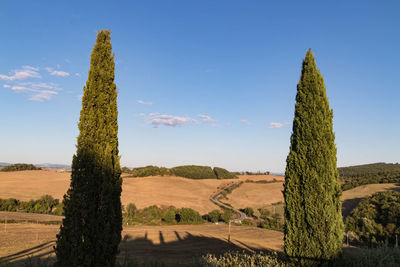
(200, 82)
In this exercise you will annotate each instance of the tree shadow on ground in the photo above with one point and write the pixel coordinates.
(183, 250)
(33, 254)
(348, 205)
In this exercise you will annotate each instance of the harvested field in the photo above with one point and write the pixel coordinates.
(255, 195)
(30, 217)
(171, 244)
(156, 190)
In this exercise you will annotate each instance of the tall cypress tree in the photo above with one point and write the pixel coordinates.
(313, 219)
(91, 231)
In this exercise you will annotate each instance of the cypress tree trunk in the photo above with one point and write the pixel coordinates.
(313, 219)
(91, 231)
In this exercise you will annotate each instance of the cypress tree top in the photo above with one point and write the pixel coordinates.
(313, 220)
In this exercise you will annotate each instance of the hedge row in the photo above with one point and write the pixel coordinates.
(187, 171)
(45, 205)
(19, 167)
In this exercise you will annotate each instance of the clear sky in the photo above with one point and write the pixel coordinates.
(200, 82)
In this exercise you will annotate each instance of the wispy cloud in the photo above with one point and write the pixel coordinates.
(145, 102)
(35, 90)
(21, 74)
(206, 118)
(275, 125)
(157, 119)
(245, 122)
(7, 86)
(57, 72)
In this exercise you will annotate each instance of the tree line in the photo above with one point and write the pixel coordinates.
(19, 167)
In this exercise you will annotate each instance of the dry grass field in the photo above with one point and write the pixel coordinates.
(156, 190)
(171, 244)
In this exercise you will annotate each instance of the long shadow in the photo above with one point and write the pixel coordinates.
(181, 251)
(36, 252)
(348, 205)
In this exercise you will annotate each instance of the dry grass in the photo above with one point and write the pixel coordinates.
(30, 217)
(174, 243)
(256, 195)
(157, 190)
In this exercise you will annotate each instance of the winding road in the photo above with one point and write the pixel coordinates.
(214, 199)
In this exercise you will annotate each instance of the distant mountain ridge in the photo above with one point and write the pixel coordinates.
(42, 165)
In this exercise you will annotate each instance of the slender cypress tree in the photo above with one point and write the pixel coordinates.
(91, 231)
(313, 219)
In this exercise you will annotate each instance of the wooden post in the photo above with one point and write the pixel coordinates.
(5, 225)
(229, 232)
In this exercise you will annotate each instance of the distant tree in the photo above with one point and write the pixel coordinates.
(131, 210)
(215, 216)
(91, 230)
(249, 211)
(313, 219)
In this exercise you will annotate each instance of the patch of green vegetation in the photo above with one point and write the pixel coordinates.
(19, 167)
(155, 215)
(187, 171)
(45, 205)
(375, 173)
(376, 219)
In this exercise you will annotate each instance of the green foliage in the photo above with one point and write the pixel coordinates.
(125, 170)
(375, 173)
(313, 220)
(149, 171)
(233, 259)
(131, 210)
(376, 219)
(45, 205)
(170, 215)
(188, 216)
(248, 211)
(194, 172)
(19, 167)
(227, 215)
(222, 173)
(91, 230)
(215, 216)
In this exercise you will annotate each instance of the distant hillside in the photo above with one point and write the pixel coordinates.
(19, 167)
(187, 171)
(375, 173)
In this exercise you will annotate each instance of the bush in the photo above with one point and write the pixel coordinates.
(215, 216)
(131, 210)
(223, 173)
(188, 215)
(227, 215)
(19, 167)
(169, 215)
(9, 204)
(249, 211)
(233, 259)
(194, 172)
(376, 219)
(149, 171)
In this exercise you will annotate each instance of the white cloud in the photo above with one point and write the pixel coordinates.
(57, 72)
(157, 119)
(206, 118)
(144, 102)
(275, 125)
(245, 122)
(35, 91)
(78, 74)
(41, 85)
(43, 95)
(22, 74)
(7, 86)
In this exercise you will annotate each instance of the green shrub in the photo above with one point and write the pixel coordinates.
(188, 215)
(227, 215)
(249, 211)
(10, 204)
(19, 167)
(125, 170)
(146, 171)
(222, 173)
(215, 216)
(170, 215)
(131, 210)
(59, 209)
(376, 219)
(243, 259)
(194, 172)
